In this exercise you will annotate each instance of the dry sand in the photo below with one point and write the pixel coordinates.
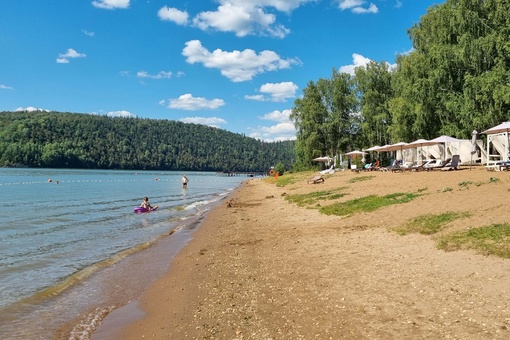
(261, 267)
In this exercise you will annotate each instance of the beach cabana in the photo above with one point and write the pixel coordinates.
(445, 140)
(325, 159)
(355, 153)
(497, 140)
(395, 147)
(419, 143)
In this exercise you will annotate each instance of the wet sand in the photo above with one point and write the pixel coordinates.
(261, 267)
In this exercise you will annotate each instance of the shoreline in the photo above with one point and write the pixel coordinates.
(261, 267)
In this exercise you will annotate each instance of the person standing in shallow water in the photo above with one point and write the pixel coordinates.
(184, 181)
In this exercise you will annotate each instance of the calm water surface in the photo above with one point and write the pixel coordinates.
(72, 250)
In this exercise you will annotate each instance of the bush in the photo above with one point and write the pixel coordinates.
(279, 168)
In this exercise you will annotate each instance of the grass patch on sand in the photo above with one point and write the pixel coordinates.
(360, 179)
(490, 240)
(367, 204)
(313, 197)
(429, 224)
(284, 180)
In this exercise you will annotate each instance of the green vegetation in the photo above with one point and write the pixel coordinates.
(429, 224)
(284, 180)
(490, 240)
(314, 197)
(71, 140)
(465, 184)
(360, 179)
(279, 168)
(455, 79)
(367, 204)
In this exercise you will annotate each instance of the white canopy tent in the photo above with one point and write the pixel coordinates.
(445, 140)
(325, 159)
(497, 138)
(419, 143)
(395, 147)
(356, 153)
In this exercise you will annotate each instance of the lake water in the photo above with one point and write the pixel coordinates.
(72, 250)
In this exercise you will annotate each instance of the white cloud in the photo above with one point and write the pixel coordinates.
(283, 130)
(211, 121)
(371, 9)
(361, 61)
(121, 113)
(190, 103)
(248, 17)
(90, 34)
(5, 87)
(356, 6)
(160, 75)
(29, 109)
(237, 66)
(280, 5)
(278, 132)
(111, 4)
(242, 19)
(173, 14)
(358, 60)
(280, 92)
(63, 58)
(278, 116)
(256, 97)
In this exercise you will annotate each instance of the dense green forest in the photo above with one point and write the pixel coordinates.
(72, 140)
(456, 79)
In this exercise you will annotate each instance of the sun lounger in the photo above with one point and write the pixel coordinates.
(453, 165)
(414, 167)
(316, 179)
(437, 165)
(331, 170)
(396, 168)
(498, 166)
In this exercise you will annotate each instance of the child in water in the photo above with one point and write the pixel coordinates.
(145, 203)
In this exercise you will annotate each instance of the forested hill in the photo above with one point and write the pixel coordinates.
(72, 140)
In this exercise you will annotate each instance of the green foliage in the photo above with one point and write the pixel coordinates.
(323, 118)
(491, 240)
(279, 168)
(374, 85)
(367, 204)
(360, 179)
(455, 80)
(70, 140)
(465, 183)
(314, 197)
(430, 223)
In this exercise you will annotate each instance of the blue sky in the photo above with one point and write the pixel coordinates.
(234, 64)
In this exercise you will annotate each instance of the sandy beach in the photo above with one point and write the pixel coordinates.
(261, 267)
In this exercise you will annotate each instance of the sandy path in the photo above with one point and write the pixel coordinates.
(263, 268)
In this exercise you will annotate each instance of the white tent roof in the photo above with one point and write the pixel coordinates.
(503, 127)
(355, 152)
(373, 148)
(419, 142)
(323, 159)
(445, 139)
(394, 147)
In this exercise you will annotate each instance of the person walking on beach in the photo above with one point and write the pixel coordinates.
(184, 181)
